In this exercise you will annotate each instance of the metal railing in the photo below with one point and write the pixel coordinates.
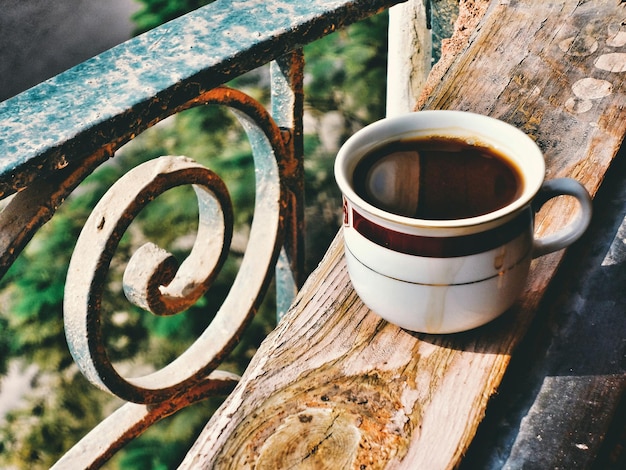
(57, 133)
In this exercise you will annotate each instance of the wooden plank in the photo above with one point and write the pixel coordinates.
(336, 384)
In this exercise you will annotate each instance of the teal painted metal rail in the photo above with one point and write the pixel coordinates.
(130, 86)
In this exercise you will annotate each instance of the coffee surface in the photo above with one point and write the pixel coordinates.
(437, 178)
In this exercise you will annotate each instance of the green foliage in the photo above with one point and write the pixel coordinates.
(150, 454)
(156, 12)
(6, 345)
(348, 70)
(36, 295)
(62, 408)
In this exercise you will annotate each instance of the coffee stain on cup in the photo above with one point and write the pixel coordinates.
(498, 262)
(436, 307)
(437, 297)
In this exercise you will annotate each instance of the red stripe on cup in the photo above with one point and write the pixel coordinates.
(442, 247)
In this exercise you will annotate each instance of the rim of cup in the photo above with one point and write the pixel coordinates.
(504, 138)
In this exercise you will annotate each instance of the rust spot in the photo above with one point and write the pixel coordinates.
(285, 133)
(101, 224)
(498, 263)
(305, 418)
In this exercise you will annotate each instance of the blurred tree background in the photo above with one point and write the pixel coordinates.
(344, 90)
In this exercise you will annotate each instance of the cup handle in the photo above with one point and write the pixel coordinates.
(572, 231)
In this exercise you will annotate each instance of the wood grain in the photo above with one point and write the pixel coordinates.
(334, 386)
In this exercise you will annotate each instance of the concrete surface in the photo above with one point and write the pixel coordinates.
(41, 38)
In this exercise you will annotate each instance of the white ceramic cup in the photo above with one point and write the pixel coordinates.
(446, 276)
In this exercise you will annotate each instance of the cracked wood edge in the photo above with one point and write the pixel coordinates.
(471, 12)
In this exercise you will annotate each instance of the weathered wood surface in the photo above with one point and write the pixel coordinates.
(409, 59)
(334, 386)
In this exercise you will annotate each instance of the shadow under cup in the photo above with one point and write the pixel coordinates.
(438, 224)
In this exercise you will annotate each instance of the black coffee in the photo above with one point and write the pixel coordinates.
(437, 178)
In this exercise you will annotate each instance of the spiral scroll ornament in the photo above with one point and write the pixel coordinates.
(153, 279)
